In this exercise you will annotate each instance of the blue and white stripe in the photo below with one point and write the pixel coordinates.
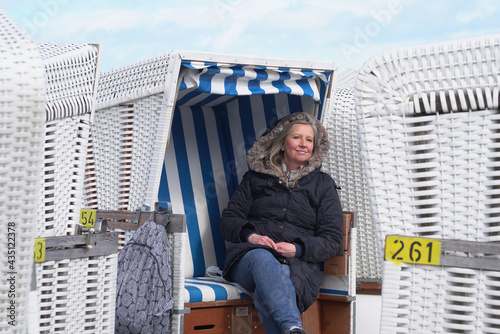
(202, 289)
(211, 84)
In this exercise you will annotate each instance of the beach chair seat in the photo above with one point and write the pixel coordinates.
(216, 307)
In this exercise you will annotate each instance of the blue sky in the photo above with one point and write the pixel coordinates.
(347, 32)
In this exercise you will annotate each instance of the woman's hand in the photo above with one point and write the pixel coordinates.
(286, 249)
(261, 240)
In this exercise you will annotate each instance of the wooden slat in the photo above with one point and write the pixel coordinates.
(311, 318)
(336, 298)
(223, 319)
(369, 288)
(461, 254)
(210, 320)
(336, 317)
(339, 265)
(470, 247)
(125, 220)
(74, 246)
(474, 256)
(219, 303)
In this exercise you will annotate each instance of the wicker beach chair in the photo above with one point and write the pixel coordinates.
(128, 138)
(175, 128)
(428, 120)
(21, 119)
(345, 165)
(74, 294)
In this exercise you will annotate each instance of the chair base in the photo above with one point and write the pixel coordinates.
(226, 317)
(328, 314)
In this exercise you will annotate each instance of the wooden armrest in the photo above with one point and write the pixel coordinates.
(338, 265)
(335, 298)
(369, 288)
(127, 219)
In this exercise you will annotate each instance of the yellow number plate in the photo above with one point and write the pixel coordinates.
(39, 250)
(87, 218)
(412, 250)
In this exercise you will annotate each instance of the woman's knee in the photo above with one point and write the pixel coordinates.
(261, 256)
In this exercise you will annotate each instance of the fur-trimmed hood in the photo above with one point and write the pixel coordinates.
(255, 156)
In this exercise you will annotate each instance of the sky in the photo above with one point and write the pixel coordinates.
(346, 32)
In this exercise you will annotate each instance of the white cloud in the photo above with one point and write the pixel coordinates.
(313, 29)
(238, 17)
(358, 8)
(251, 11)
(110, 20)
(482, 9)
(228, 37)
(67, 25)
(188, 17)
(466, 17)
(113, 20)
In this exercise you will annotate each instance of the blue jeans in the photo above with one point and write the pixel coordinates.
(274, 295)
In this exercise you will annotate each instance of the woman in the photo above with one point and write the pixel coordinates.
(284, 219)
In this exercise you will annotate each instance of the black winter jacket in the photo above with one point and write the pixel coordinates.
(309, 214)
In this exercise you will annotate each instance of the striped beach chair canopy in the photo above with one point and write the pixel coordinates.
(176, 128)
(220, 109)
(211, 84)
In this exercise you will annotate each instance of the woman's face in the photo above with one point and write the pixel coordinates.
(298, 146)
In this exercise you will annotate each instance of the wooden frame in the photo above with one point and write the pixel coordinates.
(125, 219)
(339, 265)
(78, 246)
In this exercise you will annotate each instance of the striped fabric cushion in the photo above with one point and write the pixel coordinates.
(206, 289)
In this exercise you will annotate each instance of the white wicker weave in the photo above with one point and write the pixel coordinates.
(345, 165)
(78, 295)
(131, 97)
(125, 156)
(63, 167)
(132, 82)
(125, 142)
(22, 93)
(429, 127)
(71, 74)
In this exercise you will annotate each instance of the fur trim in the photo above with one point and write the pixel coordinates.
(255, 155)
